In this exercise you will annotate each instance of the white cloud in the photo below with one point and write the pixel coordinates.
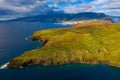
(1, 0)
(17, 6)
(78, 8)
(110, 7)
(73, 0)
(113, 4)
(21, 8)
(99, 1)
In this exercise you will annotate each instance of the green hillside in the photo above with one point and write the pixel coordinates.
(89, 42)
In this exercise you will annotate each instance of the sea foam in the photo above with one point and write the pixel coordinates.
(4, 66)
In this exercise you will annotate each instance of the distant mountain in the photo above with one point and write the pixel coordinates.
(61, 17)
(115, 18)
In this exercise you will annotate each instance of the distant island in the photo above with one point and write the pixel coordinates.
(65, 17)
(90, 42)
(62, 17)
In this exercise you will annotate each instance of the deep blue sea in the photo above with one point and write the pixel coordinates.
(13, 43)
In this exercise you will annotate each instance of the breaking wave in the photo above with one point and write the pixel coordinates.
(4, 66)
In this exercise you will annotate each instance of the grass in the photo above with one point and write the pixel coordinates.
(90, 42)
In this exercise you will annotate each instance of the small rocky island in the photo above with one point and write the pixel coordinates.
(89, 42)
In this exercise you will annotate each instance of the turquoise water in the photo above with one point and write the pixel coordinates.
(13, 43)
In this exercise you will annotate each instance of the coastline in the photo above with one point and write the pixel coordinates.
(84, 43)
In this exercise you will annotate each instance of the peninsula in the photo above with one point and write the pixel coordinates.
(89, 42)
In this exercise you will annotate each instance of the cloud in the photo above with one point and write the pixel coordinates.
(99, 1)
(110, 7)
(20, 5)
(78, 8)
(73, 0)
(19, 8)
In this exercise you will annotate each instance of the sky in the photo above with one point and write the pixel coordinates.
(10, 9)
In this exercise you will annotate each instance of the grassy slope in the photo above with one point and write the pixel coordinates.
(88, 42)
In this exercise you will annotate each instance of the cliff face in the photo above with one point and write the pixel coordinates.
(91, 42)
